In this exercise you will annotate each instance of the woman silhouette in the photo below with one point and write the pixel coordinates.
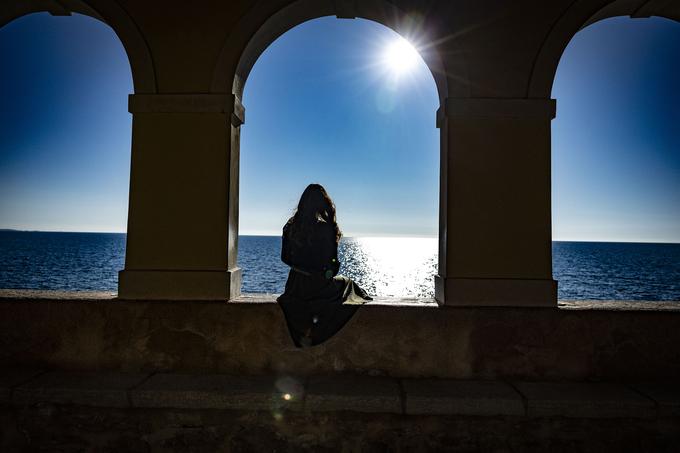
(317, 302)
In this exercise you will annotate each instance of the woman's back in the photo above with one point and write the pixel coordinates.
(314, 251)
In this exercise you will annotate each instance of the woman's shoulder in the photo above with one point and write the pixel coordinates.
(286, 227)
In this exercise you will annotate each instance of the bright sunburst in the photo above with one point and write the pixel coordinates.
(401, 56)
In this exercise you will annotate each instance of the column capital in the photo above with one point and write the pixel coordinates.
(498, 108)
(188, 103)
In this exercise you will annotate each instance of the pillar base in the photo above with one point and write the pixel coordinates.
(495, 292)
(179, 285)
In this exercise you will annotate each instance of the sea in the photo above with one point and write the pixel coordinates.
(384, 266)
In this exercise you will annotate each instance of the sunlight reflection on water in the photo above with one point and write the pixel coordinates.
(387, 266)
(391, 267)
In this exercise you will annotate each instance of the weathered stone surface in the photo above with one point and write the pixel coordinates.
(446, 396)
(83, 429)
(349, 422)
(415, 340)
(84, 388)
(12, 377)
(665, 394)
(584, 400)
(199, 391)
(353, 393)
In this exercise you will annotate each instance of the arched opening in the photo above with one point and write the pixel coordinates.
(322, 106)
(65, 160)
(615, 162)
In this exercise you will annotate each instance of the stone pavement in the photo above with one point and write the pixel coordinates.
(166, 412)
(342, 393)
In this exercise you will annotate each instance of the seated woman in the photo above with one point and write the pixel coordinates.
(317, 302)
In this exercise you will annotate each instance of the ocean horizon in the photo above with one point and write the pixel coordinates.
(344, 236)
(386, 266)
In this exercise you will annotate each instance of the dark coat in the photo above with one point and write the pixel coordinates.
(317, 302)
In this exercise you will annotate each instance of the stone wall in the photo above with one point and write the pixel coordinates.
(577, 341)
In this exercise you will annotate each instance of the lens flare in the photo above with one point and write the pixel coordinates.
(401, 56)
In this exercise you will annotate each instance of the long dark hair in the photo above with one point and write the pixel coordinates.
(315, 206)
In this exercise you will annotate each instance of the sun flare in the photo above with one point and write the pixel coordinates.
(401, 56)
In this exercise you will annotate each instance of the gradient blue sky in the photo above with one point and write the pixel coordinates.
(616, 137)
(322, 107)
(64, 126)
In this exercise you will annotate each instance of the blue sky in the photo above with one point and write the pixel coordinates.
(319, 110)
(616, 138)
(322, 106)
(64, 125)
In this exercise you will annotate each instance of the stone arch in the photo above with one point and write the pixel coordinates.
(136, 48)
(581, 14)
(261, 26)
(264, 23)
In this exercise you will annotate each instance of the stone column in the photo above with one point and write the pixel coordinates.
(183, 213)
(495, 203)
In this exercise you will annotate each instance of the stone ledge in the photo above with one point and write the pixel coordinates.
(414, 340)
(584, 400)
(17, 295)
(451, 397)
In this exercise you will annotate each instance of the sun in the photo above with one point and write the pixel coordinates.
(400, 56)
